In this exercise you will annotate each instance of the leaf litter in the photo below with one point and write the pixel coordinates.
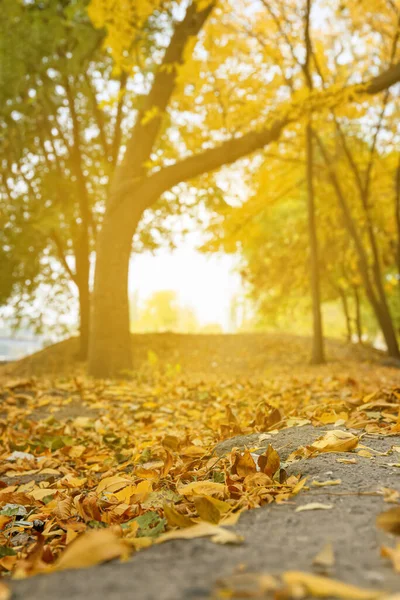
(136, 465)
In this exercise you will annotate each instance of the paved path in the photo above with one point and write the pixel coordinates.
(276, 538)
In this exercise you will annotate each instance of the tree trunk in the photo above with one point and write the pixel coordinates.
(84, 321)
(346, 313)
(110, 340)
(318, 355)
(378, 302)
(358, 315)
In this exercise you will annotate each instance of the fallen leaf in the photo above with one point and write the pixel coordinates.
(175, 518)
(324, 587)
(313, 506)
(244, 464)
(325, 557)
(336, 441)
(91, 548)
(269, 462)
(326, 483)
(393, 554)
(5, 592)
(201, 488)
(218, 535)
(390, 520)
(112, 484)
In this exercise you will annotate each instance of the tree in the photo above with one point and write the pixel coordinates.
(137, 185)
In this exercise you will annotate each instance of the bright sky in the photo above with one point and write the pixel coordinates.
(205, 283)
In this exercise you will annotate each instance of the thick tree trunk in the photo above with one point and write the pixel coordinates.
(318, 355)
(110, 343)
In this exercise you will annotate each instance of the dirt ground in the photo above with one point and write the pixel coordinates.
(204, 356)
(276, 537)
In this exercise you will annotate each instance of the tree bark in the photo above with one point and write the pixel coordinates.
(358, 315)
(84, 322)
(346, 313)
(380, 308)
(110, 341)
(317, 355)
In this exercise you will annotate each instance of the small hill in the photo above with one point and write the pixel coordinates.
(220, 355)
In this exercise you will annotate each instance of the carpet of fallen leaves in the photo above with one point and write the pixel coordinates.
(91, 471)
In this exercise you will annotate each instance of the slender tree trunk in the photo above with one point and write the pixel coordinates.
(358, 315)
(380, 308)
(346, 313)
(84, 325)
(110, 343)
(397, 217)
(318, 355)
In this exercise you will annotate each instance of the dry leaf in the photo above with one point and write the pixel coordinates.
(5, 592)
(325, 557)
(244, 464)
(201, 488)
(393, 554)
(112, 484)
(247, 585)
(175, 518)
(269, 462)
(203, 529)
(92, 548)
(326, 483)
(313, 506)
(390, 520)
(324, 587)
(336, 441)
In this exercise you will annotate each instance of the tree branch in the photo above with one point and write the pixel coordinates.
(145, 132)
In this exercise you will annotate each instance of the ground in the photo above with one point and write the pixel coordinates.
(185, 450)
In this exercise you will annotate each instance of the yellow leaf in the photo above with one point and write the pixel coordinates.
(207, 511)
(112, 484)
(390, 520)
(336, 441)
(393, 554)
(5, 592)
(175, 518)
(91, 548)
(269, 462)
(325, 557)
(324, 587)
(203, 529)
(326, 483)
(244, 464)
(201, 488)
(313, 506)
